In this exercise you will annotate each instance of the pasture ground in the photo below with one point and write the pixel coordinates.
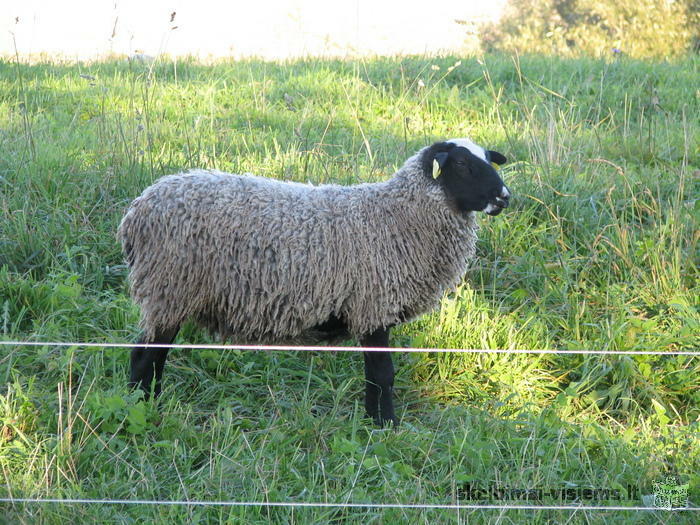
(598, 251)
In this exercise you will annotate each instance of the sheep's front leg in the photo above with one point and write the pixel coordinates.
(379, 379)
(149, 362)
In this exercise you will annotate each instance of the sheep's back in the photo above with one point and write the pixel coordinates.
(248, 257)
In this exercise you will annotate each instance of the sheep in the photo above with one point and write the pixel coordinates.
(260, 260)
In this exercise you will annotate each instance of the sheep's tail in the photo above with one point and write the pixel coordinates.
(125, 238)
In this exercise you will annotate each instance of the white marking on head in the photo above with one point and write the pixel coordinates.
(474, 148)
(491, 208)
(505, 193)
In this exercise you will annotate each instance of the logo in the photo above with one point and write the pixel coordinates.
(670, 494)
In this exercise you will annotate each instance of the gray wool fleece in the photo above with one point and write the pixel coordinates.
(260, 260)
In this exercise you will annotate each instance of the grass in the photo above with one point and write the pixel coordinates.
(599, 251)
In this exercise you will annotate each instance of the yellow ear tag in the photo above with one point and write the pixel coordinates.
(495, 166)
(436, 169)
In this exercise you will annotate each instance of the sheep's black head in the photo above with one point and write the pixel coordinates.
(467, 176)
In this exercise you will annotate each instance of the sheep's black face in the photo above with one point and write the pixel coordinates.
(469, 181)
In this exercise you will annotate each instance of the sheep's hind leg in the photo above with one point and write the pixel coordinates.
(379, 379)
(147, 362)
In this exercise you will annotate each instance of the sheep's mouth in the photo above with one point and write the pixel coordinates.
(496, 206)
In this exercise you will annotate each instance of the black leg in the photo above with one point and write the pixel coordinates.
(147, 362)
(379, 379)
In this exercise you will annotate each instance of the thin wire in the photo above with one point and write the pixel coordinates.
(457, 506)
(277, 348)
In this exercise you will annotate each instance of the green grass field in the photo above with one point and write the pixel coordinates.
(598, 251)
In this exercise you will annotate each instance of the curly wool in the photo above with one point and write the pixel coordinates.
(260, 260)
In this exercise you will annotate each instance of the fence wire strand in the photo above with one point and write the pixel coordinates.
(303, 504)
(303, 348)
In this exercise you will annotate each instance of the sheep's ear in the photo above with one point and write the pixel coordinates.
(439, 163)
(496, 158)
